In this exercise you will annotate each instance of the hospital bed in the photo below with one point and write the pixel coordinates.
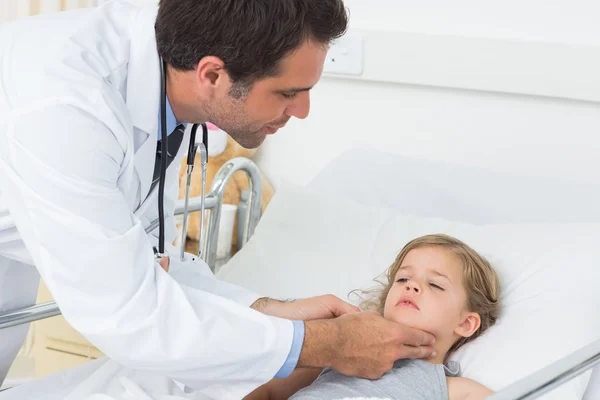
(342, 230)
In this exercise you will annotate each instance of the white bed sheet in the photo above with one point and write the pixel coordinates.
(51, 387)
(101, 379)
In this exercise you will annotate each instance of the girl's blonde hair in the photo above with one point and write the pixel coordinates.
(479, 279)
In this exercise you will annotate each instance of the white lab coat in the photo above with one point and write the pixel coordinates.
(79, 103)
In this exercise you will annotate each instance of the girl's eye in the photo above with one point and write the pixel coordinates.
(436, 286)
(402, 280)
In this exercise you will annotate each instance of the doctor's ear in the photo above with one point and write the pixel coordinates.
(210, 72)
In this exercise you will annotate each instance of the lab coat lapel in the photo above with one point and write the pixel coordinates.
(143, 95)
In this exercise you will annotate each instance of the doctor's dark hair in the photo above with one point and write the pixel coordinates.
(250, 36)
(480, 280)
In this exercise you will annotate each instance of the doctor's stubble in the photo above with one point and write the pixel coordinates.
(230, 115)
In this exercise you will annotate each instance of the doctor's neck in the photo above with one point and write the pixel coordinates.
(184, 96)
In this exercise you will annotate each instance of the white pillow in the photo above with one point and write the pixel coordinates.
(457, 192)
(307, 244)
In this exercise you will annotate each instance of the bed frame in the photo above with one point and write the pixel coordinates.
(554, 375)
(531, 387)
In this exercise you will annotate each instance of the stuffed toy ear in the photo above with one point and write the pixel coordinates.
(217, 140)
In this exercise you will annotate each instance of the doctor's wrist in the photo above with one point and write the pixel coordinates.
(318, 349)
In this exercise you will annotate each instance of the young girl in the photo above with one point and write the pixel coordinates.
(437, 284)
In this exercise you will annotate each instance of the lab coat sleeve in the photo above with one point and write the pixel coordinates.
(60, 174)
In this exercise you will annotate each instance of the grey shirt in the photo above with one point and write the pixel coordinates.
(408, 380)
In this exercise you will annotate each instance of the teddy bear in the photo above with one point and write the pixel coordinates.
(221, 148)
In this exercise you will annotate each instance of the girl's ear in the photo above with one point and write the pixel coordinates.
(469, 325)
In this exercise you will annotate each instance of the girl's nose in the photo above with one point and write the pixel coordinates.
(412, 286)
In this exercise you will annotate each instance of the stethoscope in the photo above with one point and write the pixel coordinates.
(192, 149)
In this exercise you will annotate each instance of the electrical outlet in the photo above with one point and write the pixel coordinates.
(345, 55)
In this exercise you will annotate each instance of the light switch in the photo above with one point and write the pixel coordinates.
(345, 55)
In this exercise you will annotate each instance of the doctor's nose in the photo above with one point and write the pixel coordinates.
(412, 286)
(300, 108)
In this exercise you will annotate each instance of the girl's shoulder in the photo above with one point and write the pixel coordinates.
(460, 388)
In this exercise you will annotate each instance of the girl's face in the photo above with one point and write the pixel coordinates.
(428, 294)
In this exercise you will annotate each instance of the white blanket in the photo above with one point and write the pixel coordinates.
(102, 379)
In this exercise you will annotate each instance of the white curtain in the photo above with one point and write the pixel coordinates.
(15, 9)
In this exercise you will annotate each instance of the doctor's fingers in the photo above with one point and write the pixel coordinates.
(337, 306)
(412, 352)
(412, 337)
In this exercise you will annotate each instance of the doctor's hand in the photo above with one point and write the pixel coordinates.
(320, 307)
(362, 344)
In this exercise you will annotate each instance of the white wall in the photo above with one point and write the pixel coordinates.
(540, 20)
(14, 9)
(511, 100)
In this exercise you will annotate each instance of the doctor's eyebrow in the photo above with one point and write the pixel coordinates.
(294, 90)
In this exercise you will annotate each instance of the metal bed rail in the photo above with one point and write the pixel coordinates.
(212, 205)
(209, 247)
(552, 376)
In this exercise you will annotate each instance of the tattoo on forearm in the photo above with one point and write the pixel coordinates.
(260, 304)
(263, 302)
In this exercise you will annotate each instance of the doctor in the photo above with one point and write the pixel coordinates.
(79, 125)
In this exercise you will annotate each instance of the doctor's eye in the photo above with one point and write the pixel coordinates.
(289, 96)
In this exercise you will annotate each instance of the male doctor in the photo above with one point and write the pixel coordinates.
(79, 127)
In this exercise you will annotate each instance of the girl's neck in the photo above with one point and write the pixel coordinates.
(441, 351)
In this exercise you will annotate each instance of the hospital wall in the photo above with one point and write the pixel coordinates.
(509, 85)
(14, 9)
